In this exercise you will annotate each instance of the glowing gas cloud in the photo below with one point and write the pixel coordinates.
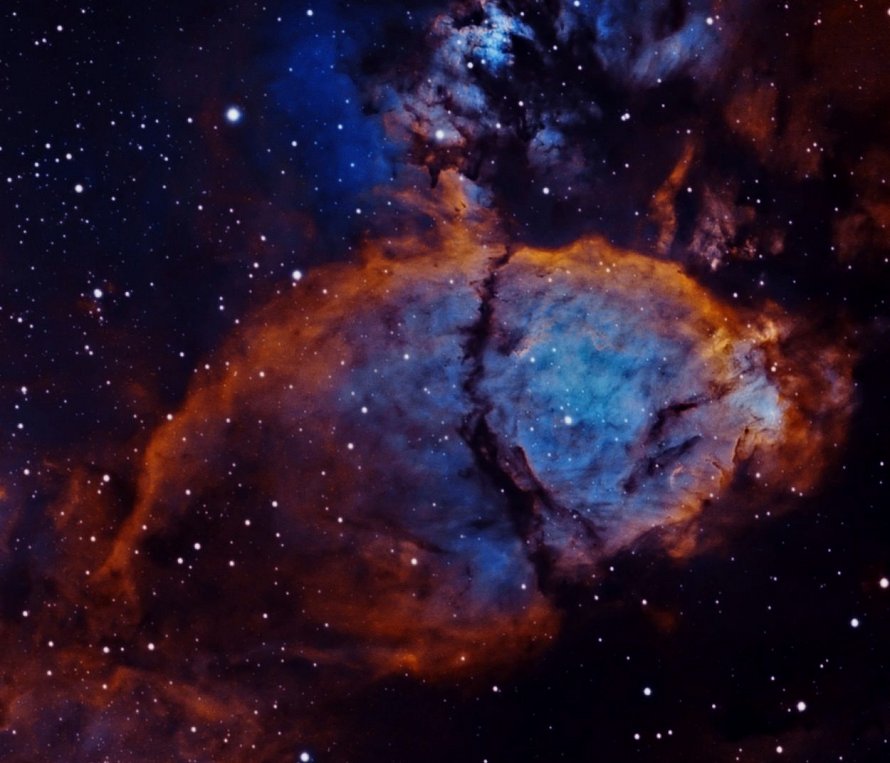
(422, 381)
(430, 443)
(402, 462)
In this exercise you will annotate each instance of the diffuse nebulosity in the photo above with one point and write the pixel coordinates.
(695, 128)
(437, 437)
(403, 459)
(399, 466)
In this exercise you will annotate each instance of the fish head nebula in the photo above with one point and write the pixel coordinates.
(455, 380)
(415, 452)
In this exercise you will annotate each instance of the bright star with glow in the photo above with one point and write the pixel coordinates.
(233, 114)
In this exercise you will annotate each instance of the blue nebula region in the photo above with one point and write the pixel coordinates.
(446, 437)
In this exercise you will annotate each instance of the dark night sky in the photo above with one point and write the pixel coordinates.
(493, 380)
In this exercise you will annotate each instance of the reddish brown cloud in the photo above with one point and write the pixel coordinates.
(391, 467)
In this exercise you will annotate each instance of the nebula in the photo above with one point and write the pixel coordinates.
(405, 459)
(397, 465)
(683, 106)
(511, 368)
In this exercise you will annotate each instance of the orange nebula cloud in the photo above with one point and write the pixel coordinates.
(345, 418)
(393, 466)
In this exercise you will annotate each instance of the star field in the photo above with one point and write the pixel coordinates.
(486, 381)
